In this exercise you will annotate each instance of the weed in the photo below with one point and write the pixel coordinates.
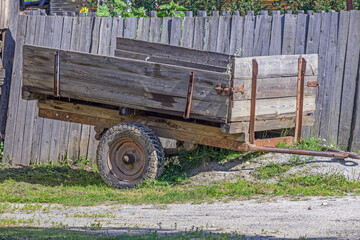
(93, 215)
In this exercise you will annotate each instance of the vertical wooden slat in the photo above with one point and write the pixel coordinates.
(342, 40)
(155, 29)
(199, 33)
(262, 35)
(117, 31)
(350, 76)
(175, 35)
(224, 34)
(165, 30)
(328, 84)
(130, 27)
(300, 34)
(187, 36)
(211, 33)
(144, 27)
(14, 91)
(323, 43)
(236, 39)
(105, 36)
(288, 42)
(248, 38)
(276, 34)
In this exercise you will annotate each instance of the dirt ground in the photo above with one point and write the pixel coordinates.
(262, 218)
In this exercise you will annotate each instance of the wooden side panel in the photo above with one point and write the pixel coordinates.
(124, 82)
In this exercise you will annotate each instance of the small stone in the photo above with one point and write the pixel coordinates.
(309, 208)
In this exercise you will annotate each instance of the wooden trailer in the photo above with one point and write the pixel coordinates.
(150, 89)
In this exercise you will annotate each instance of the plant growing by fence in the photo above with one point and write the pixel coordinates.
(320, 5)
(171, 10)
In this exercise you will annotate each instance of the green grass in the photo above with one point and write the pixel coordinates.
(29, 233)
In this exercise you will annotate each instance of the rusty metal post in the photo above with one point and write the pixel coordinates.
(300, 98)
(189, 96)
(253, 101)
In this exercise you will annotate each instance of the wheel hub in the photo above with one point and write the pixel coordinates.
(126, 159)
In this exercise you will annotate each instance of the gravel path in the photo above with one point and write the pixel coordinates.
(313, 218)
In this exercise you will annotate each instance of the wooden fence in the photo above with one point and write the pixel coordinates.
(4, 13)
(335, 36)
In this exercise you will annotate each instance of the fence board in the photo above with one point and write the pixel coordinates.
(224, 35)
(262, 35)
(199, 33)
(339, 70)
(175, 35)
(236, 35)
(117, 31)
(144, 27)
(350, 74)
(155, 29)
(300, 35)
(288, 42)
(276, 34)
(248, 36)
(187, 37)
(328, 84)
(165, 30)
(130, 27)
(211, 33)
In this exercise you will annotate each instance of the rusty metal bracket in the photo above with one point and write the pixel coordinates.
(228, 90)
(300, 98)
(189, 96)
(315, 84)
(57, 74)
(253, 101)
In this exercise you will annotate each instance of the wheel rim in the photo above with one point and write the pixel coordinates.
(126, 159)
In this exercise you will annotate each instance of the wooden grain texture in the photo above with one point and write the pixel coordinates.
(143, 29)
(288, 42)
(95, 36)
(339, 70)
(262, 35)
(211, 33)
(323, 43)
(329, 83)
(175, 34)
(130, 28)
(350, 76)
(187, 36)
(9, 143)
(116, 31)
(165, 30)
(276, 34)
(155, 29)
(180, 53)
(105, 36)
(199, 33)
(223, 39)
(248, 38)
(300, 34)
(236, 37)
(149, 86)
(274, 66)
(355, 140)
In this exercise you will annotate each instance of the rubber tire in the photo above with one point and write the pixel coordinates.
(154, 153)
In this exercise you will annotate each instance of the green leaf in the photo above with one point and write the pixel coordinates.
(128, 14)
(103, 11)
(181, 8)
(117, 10)
(161, 14)
(165, 7)
(120, 4)
(179, 14)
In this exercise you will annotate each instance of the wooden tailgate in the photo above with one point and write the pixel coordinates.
(125, 82)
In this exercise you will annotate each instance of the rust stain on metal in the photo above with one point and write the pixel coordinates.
(228, 90)
(273, 142)
(300, 98)
(189, 96)
(253, 101)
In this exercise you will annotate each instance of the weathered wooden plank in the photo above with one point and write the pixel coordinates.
(165, 30)
(274, 66)
(262, 35)
(144, 28)
(180, 130)
(175, 35)
(180, 53)
(323, 43)
(223, 39)
(355, 141)
(265, 125)
(105, 36)
(187, 37)
(166, 60)
(130, 28)
(313, 33)
(248, 38)
(93, 143)
(300, 34)
(155, 29)
(95, 35)
(85, 34)
(211, 33)
(269, 87)
(276, 34)
(350, 75)
(10, 147)
(339, 73)
(116, 31)
(288, 42)
(143, 94)
(236, 37)
(328, 85)
(271, 108)
(199, 33)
